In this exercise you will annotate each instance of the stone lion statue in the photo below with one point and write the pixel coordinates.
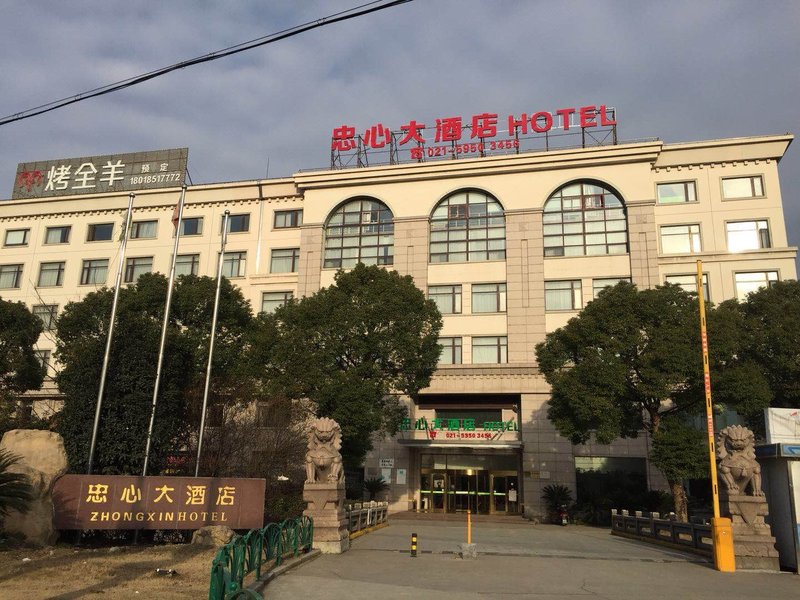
(323, 459)
(738, 467)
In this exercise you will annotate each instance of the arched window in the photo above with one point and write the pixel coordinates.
(468, 226)
(360, 230)
(583, 218)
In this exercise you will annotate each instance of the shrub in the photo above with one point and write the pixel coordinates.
(555, 496)
(15, 491)
(374, 486)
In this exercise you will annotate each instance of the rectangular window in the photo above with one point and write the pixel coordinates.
(747, 235)
(235, 264)
(192, 226)
(488, 297)
(490, 350)
(598, 285)
(17, 237)
(10, 276)
(689, 283)
(57, 235)
(743, 187)
(271, 301)
(285, 260)
(237, 223)
(747, 283)
(43, 358)
(94, 271)
(446, 297)
(100, 232)
(285, 219)
(676, 193)
(451, 351)
(141, 230)
(563, 295)
(187, 264)
(680, 239)
(134, 267)
(51, 274)
(47, 313)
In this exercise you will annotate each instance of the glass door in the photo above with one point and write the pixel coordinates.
(499, 490)
(438, 492)
(504, 488)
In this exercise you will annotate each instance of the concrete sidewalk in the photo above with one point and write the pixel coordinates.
(519, 560)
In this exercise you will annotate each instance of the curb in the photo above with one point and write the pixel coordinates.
(708, 554)
(360, 532)
(260, 584)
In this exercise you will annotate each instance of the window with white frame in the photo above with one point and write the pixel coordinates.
(488, 297)
(598, 285)
(134, 267)
(451, 351)
(446, 297)
(51, 274)
(747, 235)
(747, 283)
(10, 276)
(563, 295)
(676, 192)
(272, 301)
(187, 264)
(17, 237)
(584, 218)
(490, 350)
(359, 231)
(47, 313)
(689, 283)
(743, 187)
(468, 226)
(680, 239)
(235, 264)
(285, 260)
(141, 230)
(57, 235)
(94, 271)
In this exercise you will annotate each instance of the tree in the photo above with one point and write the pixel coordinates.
(20, 370)
(352, 349)
(680, 451)
(628, 360)
(125, 417)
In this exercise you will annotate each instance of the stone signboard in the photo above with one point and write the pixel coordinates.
(125, 502)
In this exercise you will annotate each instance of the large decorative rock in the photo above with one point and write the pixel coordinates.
(324, 488)
(742, 499)
(42, 460)
(213, 535)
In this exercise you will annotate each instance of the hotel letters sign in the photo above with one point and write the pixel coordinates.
(101, 174)
(124, 502)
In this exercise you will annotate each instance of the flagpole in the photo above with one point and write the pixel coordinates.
(164, 326)
(112, 319)
(211, 343)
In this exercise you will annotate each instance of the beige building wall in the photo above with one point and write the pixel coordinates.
(521, 183)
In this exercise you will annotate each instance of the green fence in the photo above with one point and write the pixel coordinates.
(256, 552)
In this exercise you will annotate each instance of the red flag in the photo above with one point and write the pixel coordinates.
(175, 216)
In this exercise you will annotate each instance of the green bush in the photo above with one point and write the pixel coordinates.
(555, 496)
(374, 486)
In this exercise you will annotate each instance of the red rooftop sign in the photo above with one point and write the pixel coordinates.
(450, 137)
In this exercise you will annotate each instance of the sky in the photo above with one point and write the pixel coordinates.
(679, 71)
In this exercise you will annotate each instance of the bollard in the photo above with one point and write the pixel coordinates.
(469, 527)
(413, 545)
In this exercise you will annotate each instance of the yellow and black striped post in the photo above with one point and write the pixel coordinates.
(413, 545)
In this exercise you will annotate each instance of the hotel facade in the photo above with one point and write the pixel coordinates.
(510, 247)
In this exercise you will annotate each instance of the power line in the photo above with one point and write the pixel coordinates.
(351, 13)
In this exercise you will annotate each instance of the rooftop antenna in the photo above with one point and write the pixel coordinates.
(267, 175)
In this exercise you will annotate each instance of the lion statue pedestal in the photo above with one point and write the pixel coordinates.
(324, 488)
(742, 499)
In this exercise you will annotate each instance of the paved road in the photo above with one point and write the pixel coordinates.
(521, 561)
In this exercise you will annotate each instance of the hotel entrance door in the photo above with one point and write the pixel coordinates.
(504, 492)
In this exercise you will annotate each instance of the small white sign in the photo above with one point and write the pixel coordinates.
(387, 463)
(783, 425)
(401, 477)
(387, 475)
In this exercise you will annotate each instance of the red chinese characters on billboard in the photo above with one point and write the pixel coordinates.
(455, 135)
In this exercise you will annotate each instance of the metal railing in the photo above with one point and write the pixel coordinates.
(652, 526)
(363, 515)
(256, 552)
